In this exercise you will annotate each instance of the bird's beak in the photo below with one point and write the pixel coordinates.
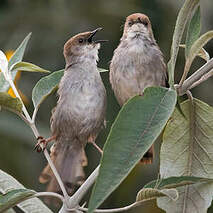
(93, 33)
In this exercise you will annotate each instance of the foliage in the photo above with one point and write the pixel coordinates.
(186, 154)
(142, 119)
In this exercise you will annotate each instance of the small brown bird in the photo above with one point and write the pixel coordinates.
(79, 114)
(137, 63)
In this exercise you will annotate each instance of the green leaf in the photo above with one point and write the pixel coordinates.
(195, 49)
(17, 57)
(187, 151)
(45, 86)
(10, 211)
(32, 205)
(25, 66)
(136, 127)
(150, 193)
(19, 53)
(13, 197)
(174, 182)
(202, 53)
(182, 19)
(193, 31)
(10, 103)
(178, 107)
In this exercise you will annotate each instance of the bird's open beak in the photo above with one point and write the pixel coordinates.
(92, 35)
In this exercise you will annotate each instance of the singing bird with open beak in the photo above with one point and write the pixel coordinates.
(79, 114)
(137, 63)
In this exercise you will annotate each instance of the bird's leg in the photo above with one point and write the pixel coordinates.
(91, 140)
(42, 143)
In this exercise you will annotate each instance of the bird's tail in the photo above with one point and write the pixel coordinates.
(69, 159)
(148, 157)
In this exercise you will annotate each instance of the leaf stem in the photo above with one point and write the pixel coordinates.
(76, 198)
(126, 208)
(50, 194)
(34, 114)
(18, 96)
(195, 77)
(202, 79)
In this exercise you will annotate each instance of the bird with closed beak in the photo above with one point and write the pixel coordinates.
(79, 114)
(137, 63)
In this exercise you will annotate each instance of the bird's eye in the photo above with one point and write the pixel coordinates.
(80, 40)
(145, 23)
(130, 23)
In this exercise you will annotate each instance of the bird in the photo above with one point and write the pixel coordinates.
(137, 63)
(79, 114)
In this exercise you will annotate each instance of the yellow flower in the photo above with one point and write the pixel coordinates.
(9, 54)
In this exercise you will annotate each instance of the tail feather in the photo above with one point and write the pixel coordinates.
(69, 159)
(148, 157)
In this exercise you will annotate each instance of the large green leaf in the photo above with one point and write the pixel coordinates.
(13, 197)
(195, 49)
(10, 103)
(28, 67)
(136, 127)
(150, 193)
(45, 86)
(202, 53)
(19, 53)
(182, 19)
(187, 150)
(193, 31)
(17, 57)
(32, 205)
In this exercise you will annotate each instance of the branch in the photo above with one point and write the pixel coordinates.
(36, 133)
(126, 208)
(202, 79)
(76, 198)
(195, 78)
(51, 194)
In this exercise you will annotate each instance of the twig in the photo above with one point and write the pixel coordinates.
(202, 79)
(189, 94)
(195, 77)
(18, 96)
(57, 176)
(76, 198)
(36, 133)
(34, 114)
(126, 208)
(51, 194)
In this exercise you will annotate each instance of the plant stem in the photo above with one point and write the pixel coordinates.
(202, 79)
(36, 133)
(34, 114)
(126, 208)
(57, 176)
(51, 194)
(195, 77)
(76, 198)
(18, 96)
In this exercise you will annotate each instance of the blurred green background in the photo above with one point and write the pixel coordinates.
(52, 22)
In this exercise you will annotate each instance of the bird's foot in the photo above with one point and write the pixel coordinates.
(91, 140)
(42, 143)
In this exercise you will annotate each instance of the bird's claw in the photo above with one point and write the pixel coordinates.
(41, 144)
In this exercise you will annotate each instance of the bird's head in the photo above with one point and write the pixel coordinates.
(138, 24)
(82, 45)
